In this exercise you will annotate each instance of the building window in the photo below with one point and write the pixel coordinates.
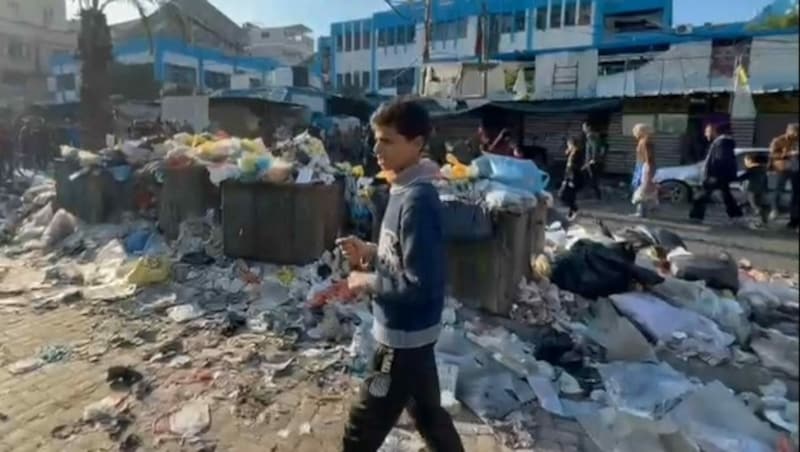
(367, 36)
(47, 17)
(339, 82)
(411, 33)
(65, 82)
(585, 13)
(382, 37)
(348, 41)
(13, 7)
(386, 78)
(339, 46)
(18, 50)
(216, 80)
(255, 83)
(265, 35)
(180, 75)
(365, 81)
(390, 37)
(555, 15)
(401, 36)
(519, 21)
(506, 23)
(569, 14)
(348, 80)
(357, 40)
(541, 18)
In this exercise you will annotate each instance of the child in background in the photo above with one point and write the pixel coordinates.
(754, 181)
(573, 177)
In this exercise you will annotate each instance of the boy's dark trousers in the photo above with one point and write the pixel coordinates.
(400, 379)
(759, 205)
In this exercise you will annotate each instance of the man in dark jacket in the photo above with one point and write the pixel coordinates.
(719, 170)
(594, 153)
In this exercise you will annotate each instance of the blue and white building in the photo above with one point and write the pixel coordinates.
(174, 63)
(573, 48)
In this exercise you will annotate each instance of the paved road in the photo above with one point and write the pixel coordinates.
(773, 249)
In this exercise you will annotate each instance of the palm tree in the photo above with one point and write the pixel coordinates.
(95, 53)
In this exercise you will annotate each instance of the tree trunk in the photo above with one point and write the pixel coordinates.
(94, 51)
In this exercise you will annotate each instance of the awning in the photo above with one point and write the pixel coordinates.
(557, 106)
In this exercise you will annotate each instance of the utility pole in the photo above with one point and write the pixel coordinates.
(426, 49)
(484, 20)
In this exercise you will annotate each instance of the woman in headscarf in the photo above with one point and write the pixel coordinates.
(645, 191)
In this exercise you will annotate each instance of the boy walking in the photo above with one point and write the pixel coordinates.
(408, 282)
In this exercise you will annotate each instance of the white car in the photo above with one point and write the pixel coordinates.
(679, 183)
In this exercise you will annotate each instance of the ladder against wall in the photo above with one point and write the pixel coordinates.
(565, 81)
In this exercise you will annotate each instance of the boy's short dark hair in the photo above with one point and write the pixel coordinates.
(409, 118)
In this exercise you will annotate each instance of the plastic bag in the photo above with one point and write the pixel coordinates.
(149, 271)
(61, 226)
(503, 197)
(222, 172)
(646, 390)
(719, 272)
(517, 173)
(695, 296)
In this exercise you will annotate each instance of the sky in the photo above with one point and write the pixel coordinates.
(318, 14)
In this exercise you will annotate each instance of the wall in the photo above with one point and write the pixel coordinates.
(586, 84)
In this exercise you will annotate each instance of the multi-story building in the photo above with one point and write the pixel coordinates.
(290, 45)
(194, 47)
(572, 48)
(31, 32)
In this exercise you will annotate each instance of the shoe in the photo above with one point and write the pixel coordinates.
(572, 216)
(738, 221)
(773, 215)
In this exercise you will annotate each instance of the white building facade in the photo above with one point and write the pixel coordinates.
(31, 33)
(568, 49)
(288, 45)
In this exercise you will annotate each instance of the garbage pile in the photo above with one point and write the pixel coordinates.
(302, 159)
(602, 333)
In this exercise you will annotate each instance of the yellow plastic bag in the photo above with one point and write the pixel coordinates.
(286, 276)
(149, 271)
(457, 170)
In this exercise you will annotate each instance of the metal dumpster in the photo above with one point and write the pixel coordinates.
(95, 197)
(186, 193)
(285, 224)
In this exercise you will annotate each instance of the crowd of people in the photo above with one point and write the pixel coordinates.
(720, 168)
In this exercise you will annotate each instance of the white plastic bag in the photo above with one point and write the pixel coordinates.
(61, 226)
(222, 172)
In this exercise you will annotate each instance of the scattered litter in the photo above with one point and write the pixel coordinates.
(191, 420)
(184, 313)
(122, 377)
(26, 365)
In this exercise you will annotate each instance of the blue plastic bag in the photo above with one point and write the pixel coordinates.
(516, 173)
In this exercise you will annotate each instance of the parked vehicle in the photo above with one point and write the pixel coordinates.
(680, 183)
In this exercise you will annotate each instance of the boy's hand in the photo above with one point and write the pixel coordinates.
(355, 250)
(360, 282)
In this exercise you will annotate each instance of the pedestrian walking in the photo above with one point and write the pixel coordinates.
(595, 158)
(573, 177)
(645, 191)
(755, 185)
(784, 161)
(408, 282)
(719, 170)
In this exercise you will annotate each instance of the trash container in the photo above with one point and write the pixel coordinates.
(486, 274)
(94, 196)
(286, 224)
(187, 193)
